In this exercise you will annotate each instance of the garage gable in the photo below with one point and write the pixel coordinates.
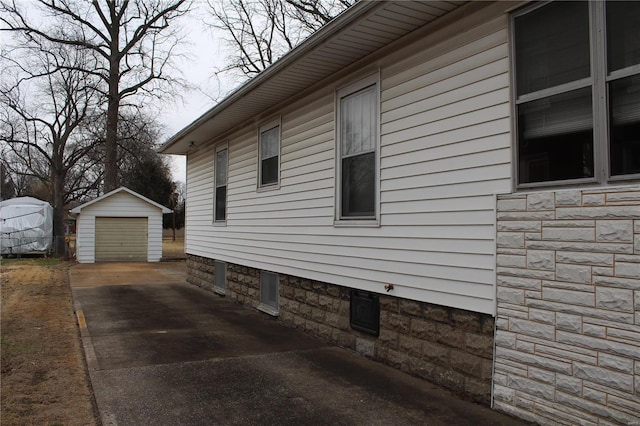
(119, 226)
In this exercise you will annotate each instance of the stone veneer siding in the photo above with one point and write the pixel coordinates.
(450, 347)
(568, 324)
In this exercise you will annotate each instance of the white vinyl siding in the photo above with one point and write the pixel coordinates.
(445, 151)
(119, 205)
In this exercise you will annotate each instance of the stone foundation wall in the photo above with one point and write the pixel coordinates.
(568, 325)
(450, 347)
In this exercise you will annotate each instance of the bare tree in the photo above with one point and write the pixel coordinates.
(44, 102)
(259, 32)
(135, 41)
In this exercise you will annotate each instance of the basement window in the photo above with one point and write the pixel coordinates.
(365, 312)
(220, 277)
(269, 293)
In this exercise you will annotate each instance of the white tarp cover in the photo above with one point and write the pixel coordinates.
(26, 224)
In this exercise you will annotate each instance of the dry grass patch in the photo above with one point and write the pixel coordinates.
(173, 249)
(44, 378)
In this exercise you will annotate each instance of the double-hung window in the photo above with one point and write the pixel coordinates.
(269, 152)
(357, 147)
(220, 184)
(577, 90)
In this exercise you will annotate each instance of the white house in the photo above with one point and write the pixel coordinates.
(447, 187)
(120, 225)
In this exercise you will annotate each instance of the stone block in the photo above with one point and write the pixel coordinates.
(389, 303)
(597, 344)
(449, 336)
(324, 331)
(541, 375)
(615, 362)
(465, 320)
(540, 259)
(618, 332)
(614, 299)
(637, 303)
(505, 339)
(523, 346)
(568, 234)
(510, 239)
(603, 271)
(410, 307)
(594, 395)
(518, 282)
(581, 246)
(585, 258)
(568, 198)
(630, 283)
(487, 325)
(436, 353)
(519, 226)
(503, 393)
(479, 345)
(591, 200)
(332, 291)
(531, 328)
(511, 261)
(606, 377)
(365, 347)
(541, 201)
(422, 329)
(573, 273)
(510, 295)
(628, 258)
(531, 387)
(318, 315)
(608, 212)
(410, 345)
(636, 244)
(614, 230)
(389, 338)
(399, 323)
(594, 330)
(580, 298)
(512, 204)
(632, 197)
(629, 270)
(436, 313)
(541, 315)
(569, 384)
(466, 363)
(527, 359)
(526, 273)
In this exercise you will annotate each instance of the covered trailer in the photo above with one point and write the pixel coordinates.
(26, 225)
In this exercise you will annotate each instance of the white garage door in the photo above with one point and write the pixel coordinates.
(121, 239)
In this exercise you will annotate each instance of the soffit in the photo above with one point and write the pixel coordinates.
(359, 31)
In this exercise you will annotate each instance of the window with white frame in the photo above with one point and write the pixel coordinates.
(577, 89)
(357, 147)
(220, 185)
(269, 292)
(269, 148)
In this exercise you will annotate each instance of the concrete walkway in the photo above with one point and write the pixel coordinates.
(163, 352)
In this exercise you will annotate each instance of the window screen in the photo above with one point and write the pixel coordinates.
(269, 291)
(220, 202)
(220, 277)
(269, 156)
(358, 141)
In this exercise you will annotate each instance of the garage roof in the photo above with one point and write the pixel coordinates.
(77, 210)
(357, 32)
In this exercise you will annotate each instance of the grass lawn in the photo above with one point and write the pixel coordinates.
(44, 377)
(173, 249)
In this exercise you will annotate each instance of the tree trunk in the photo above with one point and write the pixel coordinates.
(111, 141)
(59, 214)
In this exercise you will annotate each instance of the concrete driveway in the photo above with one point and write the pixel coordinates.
(163, 352)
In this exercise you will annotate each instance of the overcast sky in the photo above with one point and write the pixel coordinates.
(208, 54)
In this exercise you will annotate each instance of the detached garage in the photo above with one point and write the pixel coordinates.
(120, 226)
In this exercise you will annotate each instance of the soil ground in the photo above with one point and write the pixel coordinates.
(44, 377)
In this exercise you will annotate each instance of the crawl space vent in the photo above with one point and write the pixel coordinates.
(365, 312)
